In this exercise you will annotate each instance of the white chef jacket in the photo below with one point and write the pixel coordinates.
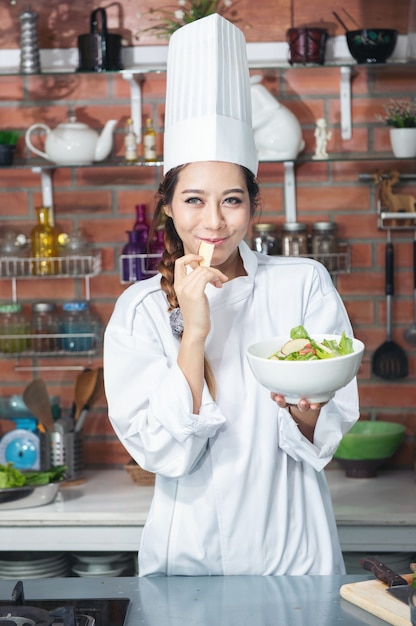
(239, 490)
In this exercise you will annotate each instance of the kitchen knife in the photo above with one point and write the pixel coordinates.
(397, 585)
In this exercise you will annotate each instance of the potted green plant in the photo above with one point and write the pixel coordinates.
(169, 20)
(400, 117)
(8, 141)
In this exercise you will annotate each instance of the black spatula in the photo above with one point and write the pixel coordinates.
(389, 360)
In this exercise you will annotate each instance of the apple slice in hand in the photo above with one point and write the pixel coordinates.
(206, 250)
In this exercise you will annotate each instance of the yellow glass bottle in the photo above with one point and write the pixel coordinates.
(44, 244)
(149, 142)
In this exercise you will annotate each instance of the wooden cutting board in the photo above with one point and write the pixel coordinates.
(371, 595)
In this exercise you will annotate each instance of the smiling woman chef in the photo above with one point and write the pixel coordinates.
(239, 481)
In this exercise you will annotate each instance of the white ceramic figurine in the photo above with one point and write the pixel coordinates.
(322, 136)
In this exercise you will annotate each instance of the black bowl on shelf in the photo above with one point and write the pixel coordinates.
(371, 45)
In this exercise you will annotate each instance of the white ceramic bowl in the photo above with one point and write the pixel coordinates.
(317, 381)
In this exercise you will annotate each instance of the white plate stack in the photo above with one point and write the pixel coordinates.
(24, 565)
(104, 564)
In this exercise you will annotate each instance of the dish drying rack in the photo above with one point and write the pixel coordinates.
(27, 268)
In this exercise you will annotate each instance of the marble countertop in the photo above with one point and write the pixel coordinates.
(219, 600)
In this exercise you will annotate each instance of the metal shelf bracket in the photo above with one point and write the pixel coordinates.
(290, 191)
(345, 98)
(46, 184)
(135, 102)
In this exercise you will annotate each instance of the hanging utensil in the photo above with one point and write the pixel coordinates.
(410, 333)
(36, 398)
(389, 360)
(84, 387)
(97, 393)
(354, 21)
(340, 21)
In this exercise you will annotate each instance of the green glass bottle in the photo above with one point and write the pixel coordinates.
(44, 244)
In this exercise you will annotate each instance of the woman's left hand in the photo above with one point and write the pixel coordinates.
(304, 413)
(303, 405)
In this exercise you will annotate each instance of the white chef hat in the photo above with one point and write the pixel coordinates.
(208, 98)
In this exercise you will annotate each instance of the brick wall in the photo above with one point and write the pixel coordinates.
(101, 202)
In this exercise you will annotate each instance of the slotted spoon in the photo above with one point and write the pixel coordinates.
(389, 360)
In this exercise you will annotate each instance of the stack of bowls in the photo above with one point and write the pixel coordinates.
(103, 564)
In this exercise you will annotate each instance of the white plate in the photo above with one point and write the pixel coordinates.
(32, 569)
(27, 497)
(62, 571)
(28, 559)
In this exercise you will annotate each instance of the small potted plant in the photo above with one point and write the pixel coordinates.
(8, 141)
(168, 21)
(400, 117)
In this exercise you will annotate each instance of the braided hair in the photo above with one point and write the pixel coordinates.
(174, 246)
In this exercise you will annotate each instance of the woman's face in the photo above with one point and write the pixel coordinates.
(211, 203)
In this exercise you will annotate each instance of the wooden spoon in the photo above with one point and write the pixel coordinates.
(84, 387)
(36, 398)
(97, 393)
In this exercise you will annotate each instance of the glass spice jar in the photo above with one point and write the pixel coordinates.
(14, 328)
(324, 243)
(265, 239)
(294, 239)
(79, 326)
(44, 327)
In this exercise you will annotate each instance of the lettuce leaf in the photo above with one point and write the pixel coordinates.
(11, 477)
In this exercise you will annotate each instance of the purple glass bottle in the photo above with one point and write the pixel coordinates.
(157, 246)
(133, 265)
(141, 224)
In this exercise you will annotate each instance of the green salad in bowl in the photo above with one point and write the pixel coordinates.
(302, 347)
(305, 364)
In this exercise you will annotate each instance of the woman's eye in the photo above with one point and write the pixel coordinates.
(233, 200)
(193, 200)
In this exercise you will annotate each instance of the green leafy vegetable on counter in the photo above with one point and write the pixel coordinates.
(301, 347)
(12, 477)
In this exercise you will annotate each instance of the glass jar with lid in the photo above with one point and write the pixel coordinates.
(294, 239)
(75, 252)
(265, 238)
(14, 328)
(13, 252)
(79, 327)
(324, 243)
(44, 325)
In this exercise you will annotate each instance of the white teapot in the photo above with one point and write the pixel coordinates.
(277, 131)
(74, 143)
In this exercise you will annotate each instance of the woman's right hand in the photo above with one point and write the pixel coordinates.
(190, 291)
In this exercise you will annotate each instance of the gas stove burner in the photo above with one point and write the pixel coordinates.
(32, 616)
(24, 616)
(68, 612)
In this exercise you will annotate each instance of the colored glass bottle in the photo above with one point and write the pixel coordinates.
(44, 244)
(149, 142)
(130, 143)
(141, 225)
(133, 265)
(157, 247)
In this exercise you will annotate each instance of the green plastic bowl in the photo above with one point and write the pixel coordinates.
(370, 440)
